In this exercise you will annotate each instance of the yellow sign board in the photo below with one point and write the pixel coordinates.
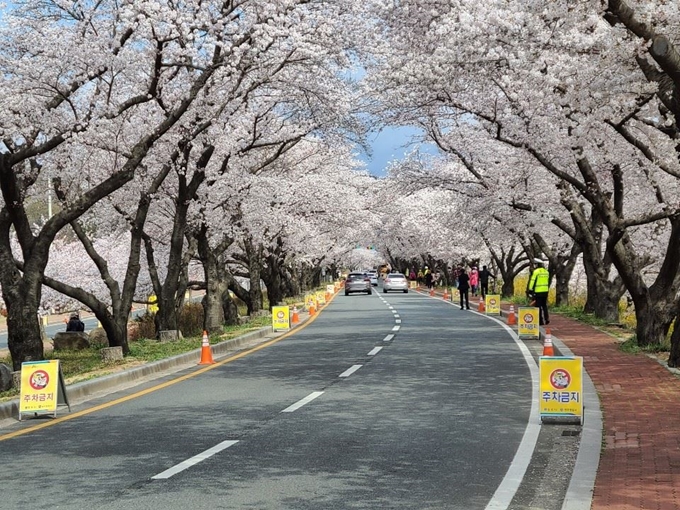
(280, 318)
(152, 306)
(455, 295)
(42, 388)
(310, 301)
(320, 298)
(528, 322)
(493, 304)
(330, 289)
(413, 284)
(561, 386)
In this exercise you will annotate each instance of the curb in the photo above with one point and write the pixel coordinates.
(86, 388)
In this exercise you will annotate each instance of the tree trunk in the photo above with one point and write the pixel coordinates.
(212, 303)
(255, 291)
(229, 309)
(653, 323)
(271, 275)
(23, 327)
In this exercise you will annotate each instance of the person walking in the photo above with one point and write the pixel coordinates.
(539, 286)
(463, 288)
(474, 280)
(412, 275)
(484, 276)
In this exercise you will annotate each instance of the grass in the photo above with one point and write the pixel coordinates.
(86, 364)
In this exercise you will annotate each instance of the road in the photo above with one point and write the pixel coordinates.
(393, 401)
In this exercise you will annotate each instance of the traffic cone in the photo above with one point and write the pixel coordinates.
(431, 292)
(296, 315)
(547, 344)
(328, 297)
(512, 320)
(311, 310)
(482, 306)
(206, 351)
(446, 294)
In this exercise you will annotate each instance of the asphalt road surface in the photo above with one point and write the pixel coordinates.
(395, 401)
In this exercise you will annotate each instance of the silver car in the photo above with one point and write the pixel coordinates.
(358, 282)
(395, 281)
(373, 275)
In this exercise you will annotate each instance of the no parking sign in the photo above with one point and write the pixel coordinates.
(528, 322)
(280, 318)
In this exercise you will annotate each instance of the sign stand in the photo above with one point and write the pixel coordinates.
(43, 389)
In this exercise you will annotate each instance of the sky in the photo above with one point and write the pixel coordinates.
(389, 144)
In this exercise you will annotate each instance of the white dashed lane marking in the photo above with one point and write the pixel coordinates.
(297, 405)
(398, 321)
(396, 328)
(193, 460)
(375, 351)
(350, 371)
(388, 338)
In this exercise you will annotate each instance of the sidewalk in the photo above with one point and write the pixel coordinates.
(640, 456)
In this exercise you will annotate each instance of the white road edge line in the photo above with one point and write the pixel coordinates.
(388, 338)
(396, 328)
(513, 478)
(374, 351)
(193, 460)
(297, 405)
(350, 370)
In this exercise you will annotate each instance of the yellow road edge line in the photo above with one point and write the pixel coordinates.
(85, 412)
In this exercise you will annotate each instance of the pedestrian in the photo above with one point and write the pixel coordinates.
(539, 286)
(463, 288)
(474, 280)
(412, 275)
(484, 276)
(75, 324)
(421, 276)
(429, 278)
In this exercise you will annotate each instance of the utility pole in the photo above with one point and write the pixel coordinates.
(49, 195)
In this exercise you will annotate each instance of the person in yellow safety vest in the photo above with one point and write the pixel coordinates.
(420, 276)
(539, 285)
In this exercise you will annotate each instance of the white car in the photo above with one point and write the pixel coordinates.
(395, 281)
(373, 275)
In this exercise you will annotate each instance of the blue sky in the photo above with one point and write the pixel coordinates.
(386, 145)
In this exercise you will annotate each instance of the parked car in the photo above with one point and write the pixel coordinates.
(358, 282)
(373, 275)
(395, 281)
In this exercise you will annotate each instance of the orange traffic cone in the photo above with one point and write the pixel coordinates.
(296, 315)
(482, 306)
(431, 292)
(445, 297)
(311, 310)
(512, 319)
(547, 344)
(206, 351)
(328, 297)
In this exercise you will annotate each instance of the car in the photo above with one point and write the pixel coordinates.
(395, 281)
(373, 275)
(358, 282)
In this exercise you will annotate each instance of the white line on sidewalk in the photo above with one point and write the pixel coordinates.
(350, 371)
(297, 405)
(396, 328)
(388, 338)
(374, 351)
(193, 460)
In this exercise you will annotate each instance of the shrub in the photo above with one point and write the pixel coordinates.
(191, 319)
(147, 327)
